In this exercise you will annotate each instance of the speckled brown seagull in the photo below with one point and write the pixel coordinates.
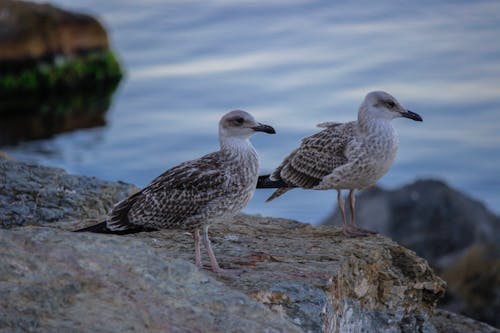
(196, 193)
(350, 156)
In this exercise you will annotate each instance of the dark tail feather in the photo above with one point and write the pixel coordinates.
(265, 181)
(102, 228)
(278, 193)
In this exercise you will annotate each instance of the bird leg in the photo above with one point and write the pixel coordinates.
(353, 226)
(349, 230)
(340, 200)
(213, 261)
(197, 252)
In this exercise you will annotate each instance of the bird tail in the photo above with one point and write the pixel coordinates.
(278, 193)
(265, 181)
(102, 228)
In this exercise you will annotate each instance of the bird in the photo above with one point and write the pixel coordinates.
(344, 156)
(194, 194)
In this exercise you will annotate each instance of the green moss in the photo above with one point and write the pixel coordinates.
(93, 69)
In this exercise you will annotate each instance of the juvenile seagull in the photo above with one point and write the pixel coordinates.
(350, 156)
(196, 193)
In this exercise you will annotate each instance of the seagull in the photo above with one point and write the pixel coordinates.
(194, 194)
(350, 156)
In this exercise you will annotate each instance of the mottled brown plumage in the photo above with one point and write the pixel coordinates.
(196, 193)
(351, 155)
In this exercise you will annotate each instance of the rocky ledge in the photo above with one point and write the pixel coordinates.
(296, 278)
(456, 234)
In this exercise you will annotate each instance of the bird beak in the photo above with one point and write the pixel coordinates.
(411, 115)
(264, 128)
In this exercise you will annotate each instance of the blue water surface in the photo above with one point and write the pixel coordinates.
(294, 64)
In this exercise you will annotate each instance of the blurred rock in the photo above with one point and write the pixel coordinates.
(429, 217)
(449, 322)
(474, 284)
(447, 228)
(37, 195)
(44, 48)
(310, 278)
(35, 30)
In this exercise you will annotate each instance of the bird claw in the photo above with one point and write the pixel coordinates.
(354, 231)
(225, 271)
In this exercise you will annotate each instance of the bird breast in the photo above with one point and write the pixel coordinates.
(243, 169)
(376, 152)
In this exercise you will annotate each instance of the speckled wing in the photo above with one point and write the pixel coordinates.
(173, 197)
(317, 156)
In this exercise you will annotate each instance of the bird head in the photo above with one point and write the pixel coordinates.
(241, 124)
(380, 104)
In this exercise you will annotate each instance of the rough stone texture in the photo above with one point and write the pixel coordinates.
(55, 281)
(312, 278)
(39, 195)
(31, 30)
(447, 228)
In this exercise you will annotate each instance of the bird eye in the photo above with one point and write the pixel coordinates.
(239, 121)
(390, 104)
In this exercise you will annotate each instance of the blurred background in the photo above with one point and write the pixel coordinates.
(292, 64)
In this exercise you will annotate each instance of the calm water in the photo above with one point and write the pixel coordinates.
(294, 64)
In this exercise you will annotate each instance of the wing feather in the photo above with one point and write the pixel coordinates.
(317, 156)
(177, 194)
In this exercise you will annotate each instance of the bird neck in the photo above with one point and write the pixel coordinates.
(236, 146)
(370, 123)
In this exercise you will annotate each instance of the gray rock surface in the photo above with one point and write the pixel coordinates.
(39, 195)
(295, 277)
(58, 281)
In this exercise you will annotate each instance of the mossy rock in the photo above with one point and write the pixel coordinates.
(63, 73)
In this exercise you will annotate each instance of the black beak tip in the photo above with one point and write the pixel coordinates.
(412, 115)
(264, 128)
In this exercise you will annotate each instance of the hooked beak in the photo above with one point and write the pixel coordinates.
(264, 128)
(411, 115)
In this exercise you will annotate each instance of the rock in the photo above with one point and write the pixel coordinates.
(455, 233)
(39, 195)
(449, 322)
(44, 48)
(429, 217)
(474, 284)
(310, 279)
(56, 281)
(33, 30)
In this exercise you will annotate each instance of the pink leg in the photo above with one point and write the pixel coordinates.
(197, 252)
(213, 261)
(355, 228)
(340, 200)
